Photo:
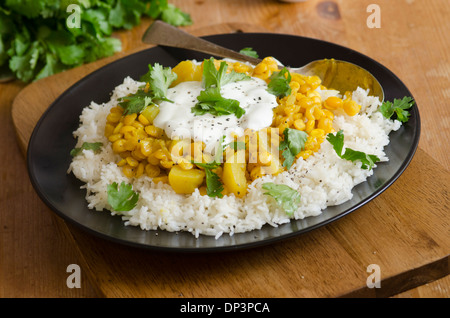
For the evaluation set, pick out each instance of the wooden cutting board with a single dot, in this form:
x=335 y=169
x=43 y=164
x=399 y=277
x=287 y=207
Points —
x=404 y=231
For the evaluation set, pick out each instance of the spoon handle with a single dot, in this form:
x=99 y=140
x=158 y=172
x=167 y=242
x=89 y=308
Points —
x=161 y=33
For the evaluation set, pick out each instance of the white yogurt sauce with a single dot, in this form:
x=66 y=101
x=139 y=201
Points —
x=178 y=121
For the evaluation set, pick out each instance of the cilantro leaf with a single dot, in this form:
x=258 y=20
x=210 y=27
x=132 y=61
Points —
x=293 y=143
x=399 y=107
x=249 y=52
x=30 y=54
x=218 y=78
x=368 y=161
x=286 y=197
x=212 y=102
x=122 y=198
x=95 y=146
x=135 y=103
x=214 y=186
x=175 y=16
x=279 y=83
x=159 y=79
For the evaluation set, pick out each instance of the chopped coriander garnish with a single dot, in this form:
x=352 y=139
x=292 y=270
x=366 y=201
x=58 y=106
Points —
x=368 y=161
x=210 y=99
x=293 y=143
x=95 y=146
x=286 y=197
x=211 y=102
x=399 y=107
x=158 y=79
x=122 y=198
x=249 y=52
x=218 y=78
x=214 y=186
x=279 y=83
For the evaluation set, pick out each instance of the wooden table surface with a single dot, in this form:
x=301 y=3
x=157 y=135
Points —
x=405 y=230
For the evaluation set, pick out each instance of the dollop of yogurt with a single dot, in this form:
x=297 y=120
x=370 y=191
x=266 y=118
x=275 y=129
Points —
x=178 y=121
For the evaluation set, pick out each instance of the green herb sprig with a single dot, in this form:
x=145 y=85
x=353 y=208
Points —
x=158 y=79
x=210 y=100
x=37 y=41
x=368 y=161
x=94 y=146
x=398 y=107
x=293 y=142
x=122 y=198
x=286 y=197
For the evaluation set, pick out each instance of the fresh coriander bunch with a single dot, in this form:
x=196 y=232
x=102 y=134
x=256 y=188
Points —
x=36 y=41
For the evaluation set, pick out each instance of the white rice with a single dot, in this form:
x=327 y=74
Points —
x=323 y=179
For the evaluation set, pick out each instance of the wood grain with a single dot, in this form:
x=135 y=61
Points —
x=404 y=231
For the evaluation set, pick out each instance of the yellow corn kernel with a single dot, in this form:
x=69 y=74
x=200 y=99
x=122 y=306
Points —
x=137 y=154
x=241 y=67
x=115 y=137
x=333 y=103
x=318 y=112
x=127 y=129
x=310 y=125
x=351 y=107
x=290 y=100
x=256 y=173
x=131 y=144
x=309 y=113
x=154 y=131
x=109 y=129
x=184 y=164
x=328 y=114
x=152 y=171
x=128 y=171
x=325 y=124
x=261 y=68
x=153 y=160
x=118 y=128
x=160 y=154
x=143 y=120
x=299 y=124
x=317 y=132
x=305 y=102
x=113 y=117
x=129 y=119
x=122 y=163
x=305 y=154
x=125 y=154
x=163 y=179
x=118 y=146
x=132 y=162
x=117 y=109
x=145 y=148
x=140 y=170
x=166 y=163
x=138 y=125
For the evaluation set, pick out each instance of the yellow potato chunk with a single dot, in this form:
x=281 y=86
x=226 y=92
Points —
x=185 y=181
x=234 y=174
x=187 y=71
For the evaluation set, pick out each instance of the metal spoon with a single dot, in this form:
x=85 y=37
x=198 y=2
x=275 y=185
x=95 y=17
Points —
x=340 y=75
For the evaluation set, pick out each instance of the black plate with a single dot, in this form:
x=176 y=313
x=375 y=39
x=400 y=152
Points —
x=48 y=152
